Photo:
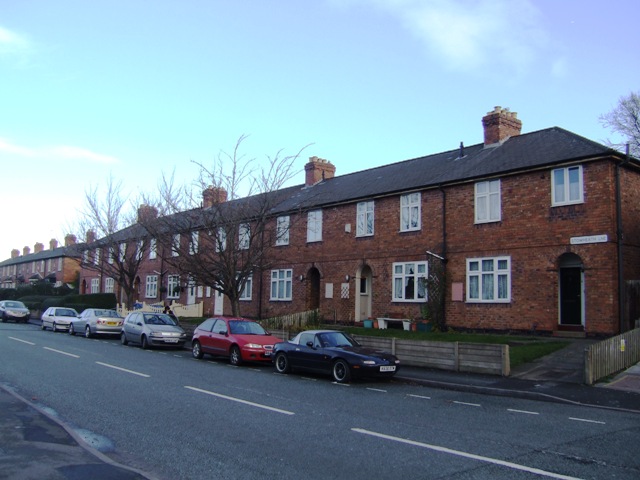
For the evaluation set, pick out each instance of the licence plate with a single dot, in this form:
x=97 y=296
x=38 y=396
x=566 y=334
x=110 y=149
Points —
x=112 y=324
x=391 y=368
x=175 y=340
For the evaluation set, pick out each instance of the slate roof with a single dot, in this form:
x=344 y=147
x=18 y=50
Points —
x=70 y=251
x=519 y=153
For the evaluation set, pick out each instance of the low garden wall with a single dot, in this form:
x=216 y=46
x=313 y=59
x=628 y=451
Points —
x=454 y=356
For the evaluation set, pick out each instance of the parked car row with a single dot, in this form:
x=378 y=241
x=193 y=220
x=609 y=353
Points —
x=240 y=340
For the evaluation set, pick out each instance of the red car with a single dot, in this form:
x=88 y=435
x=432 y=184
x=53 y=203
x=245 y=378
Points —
x=240 y=339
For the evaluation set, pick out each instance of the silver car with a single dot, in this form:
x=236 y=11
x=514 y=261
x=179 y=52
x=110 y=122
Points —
x=58 y=318
x=14 y=310
x=152 y=329
x=97 y=321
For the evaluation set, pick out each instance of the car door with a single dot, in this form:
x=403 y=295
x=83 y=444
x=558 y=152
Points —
x=302 y=355
x=45 y=317
x=205 y=335
x=219 y=339
x=133 y=327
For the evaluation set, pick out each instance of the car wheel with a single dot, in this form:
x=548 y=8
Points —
x=196 y=350
x=87 y=331
x=341 y=371
x=282 y=363
x=71 y=330
x=144 y=342
x=123 y=339
x=235 y=358
x=42 y=326
x=53 y=327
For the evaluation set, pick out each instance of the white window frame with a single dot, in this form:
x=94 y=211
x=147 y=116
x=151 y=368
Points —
x=96 y=256
x=109 y=285
x=244 y=236
x=95 y=285
x=412 y=276
x=122 y=250
x=410 y=212
x=139 y=250
x=282 y=230
x=175 y=245
x=365 y=219
x=153 y=248
x=314 y=226
x=489 y=280
x=247 y=287
x=281 y=285
x=173 y=281
x=194 y=241
x=488 y=201
x=221 y=240
x=563 y=193
x=151 y=286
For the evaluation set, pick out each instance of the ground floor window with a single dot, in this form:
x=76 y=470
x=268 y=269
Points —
x=173 y=286
x=489 y=279
x=281 y=284
x=95 y=285
x=409 y=282
x=245 y=294
x=108 y=285
x=151 y=286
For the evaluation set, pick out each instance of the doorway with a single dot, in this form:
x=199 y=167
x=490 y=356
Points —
x=363 y=298
x=571 y=291
x=313 y=289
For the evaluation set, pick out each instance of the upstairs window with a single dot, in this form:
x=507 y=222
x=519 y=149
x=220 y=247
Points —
x=488 y=204
x=314 y=226
x=364 y=219
x=221 y=240
x=153 y=249
x=193 y=243
x=122 y=250
x=175 y=245
x=410 y=212
x=244 y=236
x=96 y=256
x=566 y=186
x=282 y=230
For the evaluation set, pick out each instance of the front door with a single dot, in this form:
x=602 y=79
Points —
x=363 y=301
x=218 y=303
x=191 y=291
x=571 y=296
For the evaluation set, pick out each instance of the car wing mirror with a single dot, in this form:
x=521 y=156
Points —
x=310 y=344
x=224 y=332
x=139 y=324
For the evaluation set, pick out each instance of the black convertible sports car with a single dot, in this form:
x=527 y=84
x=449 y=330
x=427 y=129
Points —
x=333 y=352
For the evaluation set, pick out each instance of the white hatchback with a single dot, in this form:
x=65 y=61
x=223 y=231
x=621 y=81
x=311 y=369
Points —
x=58 y=318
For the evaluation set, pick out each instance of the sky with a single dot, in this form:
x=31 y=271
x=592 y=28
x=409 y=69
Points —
x=134 y=89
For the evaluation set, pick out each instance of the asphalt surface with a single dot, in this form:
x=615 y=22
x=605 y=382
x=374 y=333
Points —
x=36 y=445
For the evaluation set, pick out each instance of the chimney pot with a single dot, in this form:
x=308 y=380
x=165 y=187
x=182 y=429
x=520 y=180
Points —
x=212 y=196
x=499 y=125
x=318 y=169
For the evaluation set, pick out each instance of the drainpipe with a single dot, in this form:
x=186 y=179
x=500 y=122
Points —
x=620 y=236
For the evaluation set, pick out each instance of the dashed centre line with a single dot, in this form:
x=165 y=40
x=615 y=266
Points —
x=124 y=370
x=239 y=400
x=20 y=340
x=61 y=352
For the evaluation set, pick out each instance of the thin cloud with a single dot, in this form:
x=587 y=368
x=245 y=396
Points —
x=13 y=45
x=58 y=152
x=471 y=35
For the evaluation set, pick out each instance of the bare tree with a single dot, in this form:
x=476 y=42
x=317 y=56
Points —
x=228 y=237
x=110 y=227
x=625 y=121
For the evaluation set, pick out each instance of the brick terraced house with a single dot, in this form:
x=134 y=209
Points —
x=531 y=232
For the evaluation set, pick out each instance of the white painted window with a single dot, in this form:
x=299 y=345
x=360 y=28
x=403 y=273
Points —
x=245 y=294
x=488 y=202
x=173 y=286
x=109 y=284
x=151 y=286
x=409 y=281
x=122 y=250
x=410 y=212
x=153 y=248
x=365 y=219
x=175 y=245
x=96 y=256
x=281 y=284
x=566 y=186
x=314 y=226
x=244 y=236
x=95 y=285
x=489 y=279
x=282 y=230
x=221 y=240
x=193 y=243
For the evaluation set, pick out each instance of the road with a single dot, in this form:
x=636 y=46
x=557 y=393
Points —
x=180 y=418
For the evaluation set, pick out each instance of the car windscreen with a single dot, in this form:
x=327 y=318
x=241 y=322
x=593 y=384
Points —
x=336 y=339
x=14 y=305
x=65 y=312
x=246 y=328
x=159 y=319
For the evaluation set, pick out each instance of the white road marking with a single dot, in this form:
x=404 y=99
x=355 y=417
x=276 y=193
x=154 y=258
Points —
x=418 y=396
x=124 y=370
x=341 y=384
x=467 y=404
x=587 y=420
x=472 y=456
x=522 y=411
x=234 y=399
x=61 y=352
x=20 y=340
x=377 y=390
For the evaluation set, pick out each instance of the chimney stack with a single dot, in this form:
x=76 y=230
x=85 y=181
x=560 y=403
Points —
x=38 y=247
x=53 y=244
x=212 y=196
x=91 y=236
x=146 y=213
x=15 y=253
x=26 y=251
x=69 y=240
x=499 y=125
x=318 y=169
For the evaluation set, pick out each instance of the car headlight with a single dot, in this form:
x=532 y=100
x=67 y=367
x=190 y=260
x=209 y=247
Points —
x=253 y=345
x=155 y=334
x=369 y=362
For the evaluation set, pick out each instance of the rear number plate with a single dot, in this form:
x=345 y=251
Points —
x=391 y=368
x=175 y=340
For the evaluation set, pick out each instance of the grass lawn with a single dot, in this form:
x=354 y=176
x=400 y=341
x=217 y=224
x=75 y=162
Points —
x=522 y=348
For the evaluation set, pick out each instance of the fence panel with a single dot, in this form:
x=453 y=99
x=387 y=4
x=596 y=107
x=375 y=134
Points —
x=180 y=310
x=611 y=356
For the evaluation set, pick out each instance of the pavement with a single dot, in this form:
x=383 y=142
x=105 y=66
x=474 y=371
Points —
x=34 y=444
